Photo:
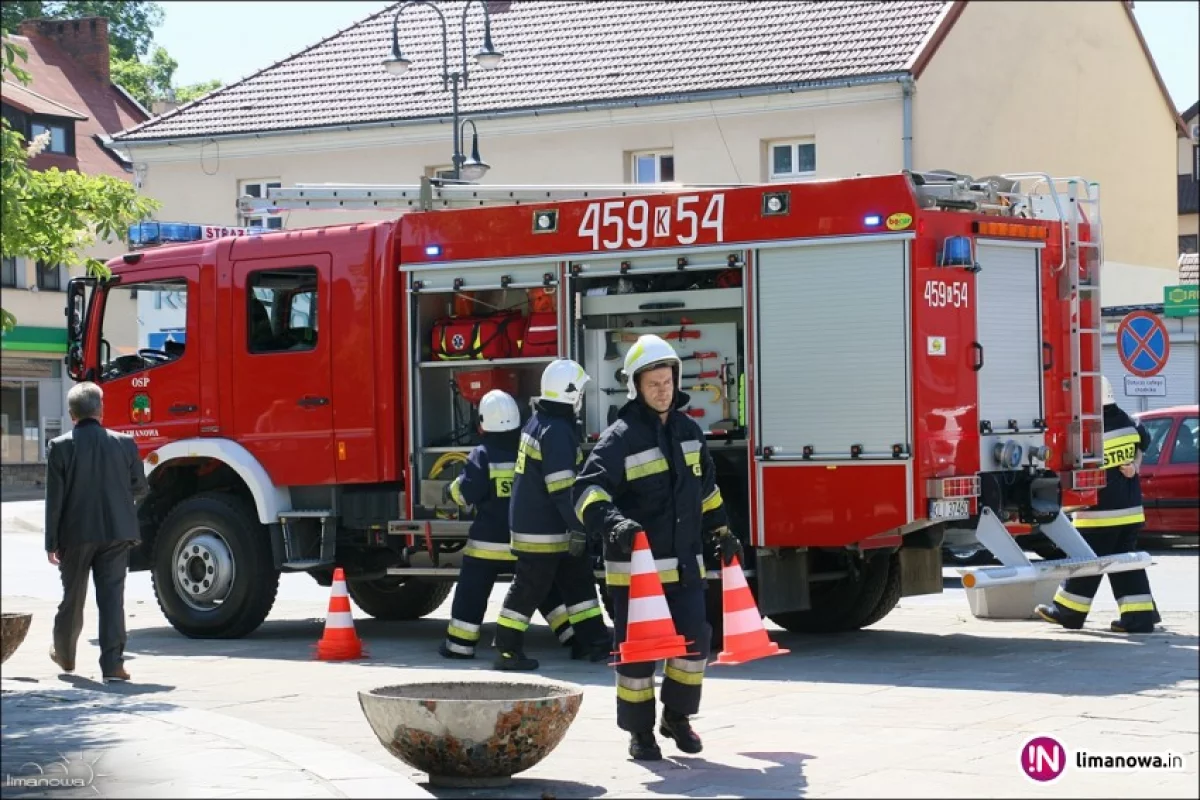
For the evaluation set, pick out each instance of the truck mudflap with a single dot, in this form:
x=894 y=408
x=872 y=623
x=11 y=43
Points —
x=1080 y=562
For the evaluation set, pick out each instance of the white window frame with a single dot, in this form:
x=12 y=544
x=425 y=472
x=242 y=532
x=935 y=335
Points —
x=658 y=156
x=268 y=221
x=795 y=145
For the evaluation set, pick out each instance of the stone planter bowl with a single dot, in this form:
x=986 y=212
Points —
x=12 y=632
x=471 y=733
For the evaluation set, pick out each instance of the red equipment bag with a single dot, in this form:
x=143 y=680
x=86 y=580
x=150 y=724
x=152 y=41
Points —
x=474 y=384
x=467 y=338
x=541 y=337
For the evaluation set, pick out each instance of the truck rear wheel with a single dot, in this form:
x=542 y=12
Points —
x=213 y=574
x=849 y=603
x=398 y=598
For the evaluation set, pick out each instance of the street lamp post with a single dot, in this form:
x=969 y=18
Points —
x=487 y=58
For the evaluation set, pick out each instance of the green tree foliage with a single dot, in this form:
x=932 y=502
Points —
x=131 y=23
x=51 y=216
x=154 y=79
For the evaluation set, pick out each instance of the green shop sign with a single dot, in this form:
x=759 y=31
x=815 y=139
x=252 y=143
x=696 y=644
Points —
x=37 y=340
x=1181 y=301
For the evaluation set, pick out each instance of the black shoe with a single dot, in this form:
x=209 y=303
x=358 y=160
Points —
x=677 y=727
x=1050 y=614
x=644 y=747
x=598 y=651
x=445 y=652
x=514 y=662
x=1119 y=627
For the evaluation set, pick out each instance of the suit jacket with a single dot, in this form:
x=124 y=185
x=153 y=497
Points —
x=94 y=478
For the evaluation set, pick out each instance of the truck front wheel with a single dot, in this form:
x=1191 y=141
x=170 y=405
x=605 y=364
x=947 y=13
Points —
x=848 y=603
x=213 y=574
x=398 y=598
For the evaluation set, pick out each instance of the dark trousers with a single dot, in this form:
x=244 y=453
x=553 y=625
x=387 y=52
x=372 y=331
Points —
x=682 y=677
x=533 y=579
x=107 y=562
x=475 y=582
x=1073 y=600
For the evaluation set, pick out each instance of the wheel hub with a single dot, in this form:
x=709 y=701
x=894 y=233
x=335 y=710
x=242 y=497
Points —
x=204 y=569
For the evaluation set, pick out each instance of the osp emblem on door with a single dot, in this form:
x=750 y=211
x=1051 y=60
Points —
x=139 y=409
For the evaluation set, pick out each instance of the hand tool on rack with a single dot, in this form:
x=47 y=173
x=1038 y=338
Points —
x=727 y=421
x=613 y=391
x=699 y=355
x=612 y=337
x=699 y=376
x=694 y=412
x=707 y=387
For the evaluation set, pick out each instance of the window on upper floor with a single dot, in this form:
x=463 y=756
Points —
x=49 y=279
x=8 y=272
x=792 y=158
x=652 y=166
x=1189 y=243
x=62 y=134
x=258 y=188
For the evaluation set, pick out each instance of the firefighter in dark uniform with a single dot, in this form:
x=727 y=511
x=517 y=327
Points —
x=1111 y=526
x=548 y=540
x=651 y=471
x=486 y=484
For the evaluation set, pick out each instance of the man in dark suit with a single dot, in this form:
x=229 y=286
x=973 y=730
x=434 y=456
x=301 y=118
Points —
x=94 y=478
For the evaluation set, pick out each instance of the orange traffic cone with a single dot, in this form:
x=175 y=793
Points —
x=650 y=633
x=745 y=637
x=340 y=642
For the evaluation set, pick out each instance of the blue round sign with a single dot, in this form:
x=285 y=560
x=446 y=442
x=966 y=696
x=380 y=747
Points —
x=1143 y=343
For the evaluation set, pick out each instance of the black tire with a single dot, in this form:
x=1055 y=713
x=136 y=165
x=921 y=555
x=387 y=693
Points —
x=889 y=599
x=843 y=605
x=399 y=599
x=229 y=564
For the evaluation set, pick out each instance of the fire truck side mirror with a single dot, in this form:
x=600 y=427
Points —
x=75 y=311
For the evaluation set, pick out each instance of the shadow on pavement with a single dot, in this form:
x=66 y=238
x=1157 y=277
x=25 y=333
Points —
x=691 y=776
x=522 y=788
x=57 y=733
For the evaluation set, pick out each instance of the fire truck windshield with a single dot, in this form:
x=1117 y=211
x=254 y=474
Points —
x=144 y=326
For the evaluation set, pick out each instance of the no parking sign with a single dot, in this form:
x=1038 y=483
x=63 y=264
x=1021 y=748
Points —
x=1143 y=343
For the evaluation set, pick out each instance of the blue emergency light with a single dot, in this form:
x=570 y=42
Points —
x=956 y=252
x=433 y=249
x=871 y=221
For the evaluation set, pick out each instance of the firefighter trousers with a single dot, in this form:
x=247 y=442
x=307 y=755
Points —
x=476 y=580
x=1073 y=600
x=682 y=677
x=534 y=578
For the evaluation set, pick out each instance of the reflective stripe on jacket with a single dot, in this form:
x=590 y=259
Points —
x=541 y=515
x=660 y=475
x=486 y=483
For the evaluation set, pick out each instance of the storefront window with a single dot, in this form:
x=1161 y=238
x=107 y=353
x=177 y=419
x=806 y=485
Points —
x=21 y=433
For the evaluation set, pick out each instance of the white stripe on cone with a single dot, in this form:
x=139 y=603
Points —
x=648 y=609
x=339 y=619
x=733 y=578
x=745 y=621
x=339 y=589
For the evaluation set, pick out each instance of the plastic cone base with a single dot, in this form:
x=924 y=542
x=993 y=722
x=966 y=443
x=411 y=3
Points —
x=652 y=650
x=339 y=651
x=734 y=657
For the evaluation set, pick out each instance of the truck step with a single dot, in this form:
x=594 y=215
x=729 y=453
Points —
x=308 y=513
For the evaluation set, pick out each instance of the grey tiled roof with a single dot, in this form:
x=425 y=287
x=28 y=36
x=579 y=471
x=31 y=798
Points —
x=560 y=54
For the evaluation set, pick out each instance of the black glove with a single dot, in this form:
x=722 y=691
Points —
x=727 y=545
x=577 y=543
x=620 y=537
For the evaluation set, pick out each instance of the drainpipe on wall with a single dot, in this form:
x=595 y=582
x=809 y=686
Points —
x=906 y=83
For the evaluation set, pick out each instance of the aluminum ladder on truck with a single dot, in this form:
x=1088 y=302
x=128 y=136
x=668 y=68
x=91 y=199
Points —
x=1079 y=284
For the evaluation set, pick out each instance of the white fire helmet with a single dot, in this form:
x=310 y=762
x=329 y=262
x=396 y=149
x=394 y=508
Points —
x=647 y=352
x=563 y=381
x=1110 y=399
x=498 y=412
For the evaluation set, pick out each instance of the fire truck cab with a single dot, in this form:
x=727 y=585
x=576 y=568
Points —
x=880 y=365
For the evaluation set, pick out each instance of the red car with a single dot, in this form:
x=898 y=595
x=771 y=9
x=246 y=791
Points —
x=1171 y=471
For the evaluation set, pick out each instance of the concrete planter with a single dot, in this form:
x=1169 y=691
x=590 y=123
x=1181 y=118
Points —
x=13 y=628
x=1015 y=601
x=472 y=733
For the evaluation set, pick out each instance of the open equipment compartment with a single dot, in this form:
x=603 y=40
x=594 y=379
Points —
x=693 y=298
x=472 y=328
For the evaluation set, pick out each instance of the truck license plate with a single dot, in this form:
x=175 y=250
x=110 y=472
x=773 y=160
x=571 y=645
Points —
x=949 y=509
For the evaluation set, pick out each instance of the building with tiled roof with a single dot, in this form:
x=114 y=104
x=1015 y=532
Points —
x=71 y=96
x=701 y=92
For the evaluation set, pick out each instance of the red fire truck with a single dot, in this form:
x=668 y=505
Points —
x=881 y=365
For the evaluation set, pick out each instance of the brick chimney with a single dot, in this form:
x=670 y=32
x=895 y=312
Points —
x=85 y=40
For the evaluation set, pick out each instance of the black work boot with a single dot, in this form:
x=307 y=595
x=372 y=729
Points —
x=1117 y=626
x=445 y=652
x=644 y=747
x=677 y=727
x=1052 y=614
x=596 y=651
x=514 y=662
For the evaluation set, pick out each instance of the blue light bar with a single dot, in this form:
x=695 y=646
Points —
x=871 y=221
x=433 y=249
